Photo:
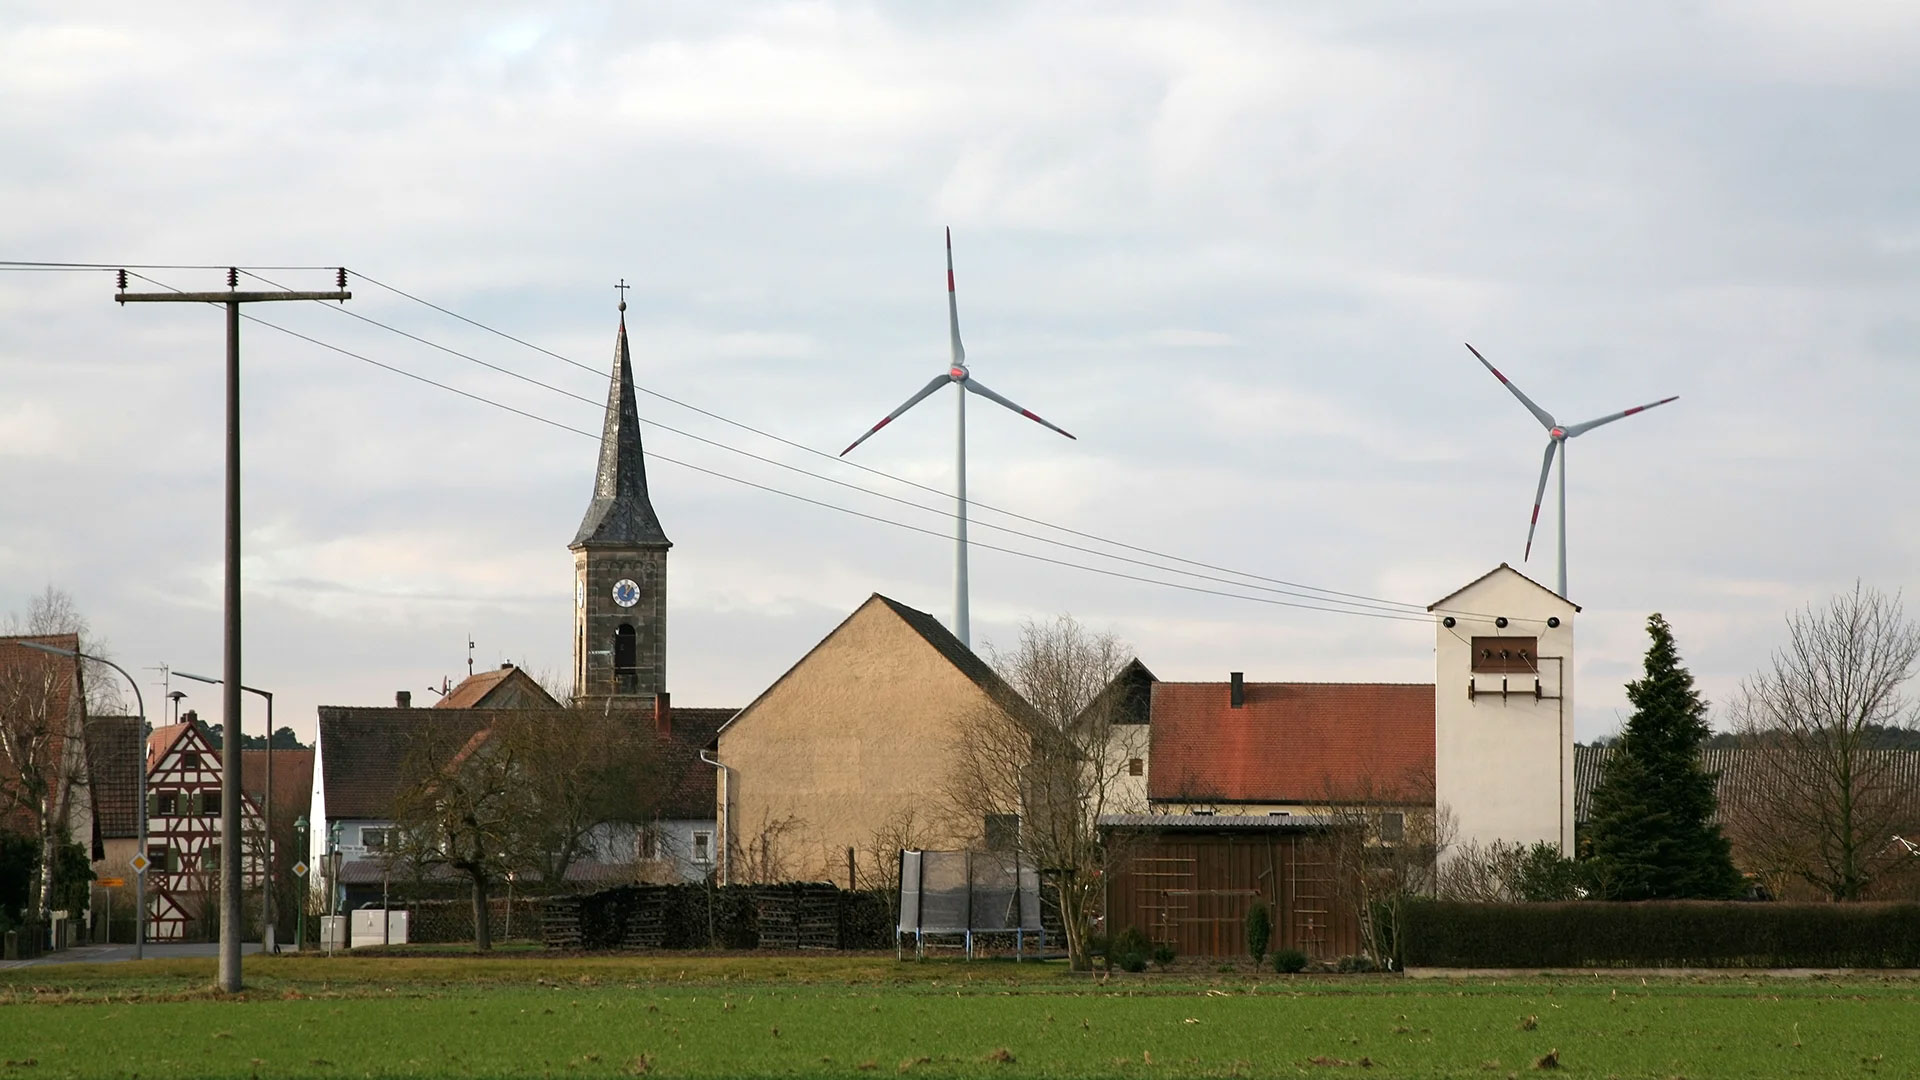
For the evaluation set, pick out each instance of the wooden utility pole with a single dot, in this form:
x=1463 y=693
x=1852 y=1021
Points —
x=232 y=851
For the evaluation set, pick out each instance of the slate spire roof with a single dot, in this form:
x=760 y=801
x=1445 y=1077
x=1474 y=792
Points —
x=621 y=514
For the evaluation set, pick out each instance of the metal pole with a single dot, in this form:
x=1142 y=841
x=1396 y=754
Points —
x=140 y=876
x=230 y=773
x=960 y=615
x=267 y=935
x=1563 y=517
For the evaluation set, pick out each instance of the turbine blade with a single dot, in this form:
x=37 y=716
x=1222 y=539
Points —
x=937 y=383
x=953 y=307
x=1591 y=424
x=1540 y=493
x=1540 y=414
x=973 y=385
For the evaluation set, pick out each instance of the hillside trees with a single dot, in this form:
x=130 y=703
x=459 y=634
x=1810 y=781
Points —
x=1824 y=797
x=1651 y=824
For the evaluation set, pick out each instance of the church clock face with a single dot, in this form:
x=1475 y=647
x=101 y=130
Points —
x=626 y=593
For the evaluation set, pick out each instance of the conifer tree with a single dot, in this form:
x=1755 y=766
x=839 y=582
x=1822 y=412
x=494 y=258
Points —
x=1651 y=824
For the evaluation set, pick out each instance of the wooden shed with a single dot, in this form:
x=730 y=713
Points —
x=1188 y=880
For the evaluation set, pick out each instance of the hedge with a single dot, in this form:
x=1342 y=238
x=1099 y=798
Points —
x=1681 y=933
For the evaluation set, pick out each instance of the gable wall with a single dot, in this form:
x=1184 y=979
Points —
x=857 y=734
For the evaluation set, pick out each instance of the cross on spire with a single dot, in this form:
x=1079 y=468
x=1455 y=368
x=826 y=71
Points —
x=623 y=287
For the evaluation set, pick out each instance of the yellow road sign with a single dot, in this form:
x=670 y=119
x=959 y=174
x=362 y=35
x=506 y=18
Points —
x=111 y=882
x=140 y=864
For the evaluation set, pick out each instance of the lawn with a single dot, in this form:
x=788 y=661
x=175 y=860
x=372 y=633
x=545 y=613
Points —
x=841 y=1016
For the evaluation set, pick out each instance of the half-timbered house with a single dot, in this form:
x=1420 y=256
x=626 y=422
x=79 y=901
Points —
x=183 y=833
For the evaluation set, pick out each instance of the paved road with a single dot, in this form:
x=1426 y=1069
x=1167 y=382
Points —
x=112 y=954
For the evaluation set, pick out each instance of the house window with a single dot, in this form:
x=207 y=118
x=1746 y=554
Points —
x=210 y=861
x=703 y=847
x=189 y=759
x=1003 y=832
x=160 y=856
x=1393 y=828
x=1136 y=767
x=1200 y=811
x=165 y=804
x=380 y=839
x=210 y=804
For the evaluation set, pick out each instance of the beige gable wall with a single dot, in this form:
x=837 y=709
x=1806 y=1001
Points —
x=859 y=732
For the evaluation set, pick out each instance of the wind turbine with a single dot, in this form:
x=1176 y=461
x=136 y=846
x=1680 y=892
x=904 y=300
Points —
x=957 y=374
x=1557 y=437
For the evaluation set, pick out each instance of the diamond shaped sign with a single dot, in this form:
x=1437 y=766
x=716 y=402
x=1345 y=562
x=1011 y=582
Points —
x=300 y=869
x=140 y=864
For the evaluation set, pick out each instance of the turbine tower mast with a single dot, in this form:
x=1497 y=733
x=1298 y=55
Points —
x=957 y=374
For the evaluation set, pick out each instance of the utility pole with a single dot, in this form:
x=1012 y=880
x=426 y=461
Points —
x=232 y=865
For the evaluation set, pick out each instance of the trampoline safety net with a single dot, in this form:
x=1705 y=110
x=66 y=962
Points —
x=968 y=893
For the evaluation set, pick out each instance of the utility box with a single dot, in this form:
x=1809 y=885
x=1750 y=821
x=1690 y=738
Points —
x=333 y=933
x=379 y=926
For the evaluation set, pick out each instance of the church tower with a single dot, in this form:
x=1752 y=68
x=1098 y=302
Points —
x=620 y=561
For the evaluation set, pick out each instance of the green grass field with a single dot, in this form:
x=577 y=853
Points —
x=843 y=1016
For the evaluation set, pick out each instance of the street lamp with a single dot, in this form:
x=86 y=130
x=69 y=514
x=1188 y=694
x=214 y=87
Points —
x=139 y=876
x=300 y=916
x=231 y=741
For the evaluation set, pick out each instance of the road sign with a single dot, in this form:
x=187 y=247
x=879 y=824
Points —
x=140 y=864
x=111 y=883
x=300 y=869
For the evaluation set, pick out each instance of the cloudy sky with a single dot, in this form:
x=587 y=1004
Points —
x=1234 y=250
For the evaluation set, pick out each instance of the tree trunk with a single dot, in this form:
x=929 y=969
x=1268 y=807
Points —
x=482 y=930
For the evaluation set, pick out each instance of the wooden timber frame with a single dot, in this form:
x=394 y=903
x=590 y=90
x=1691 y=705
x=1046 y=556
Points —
x=1189 y=881
x=183 y=835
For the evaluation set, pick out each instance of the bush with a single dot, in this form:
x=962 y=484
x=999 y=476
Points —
x=1163 y=956
x=1289 y=961
x=1671 y=933
x=1130 y=940
x=1259 y=931
x=1133 y=961
x=1356 y=964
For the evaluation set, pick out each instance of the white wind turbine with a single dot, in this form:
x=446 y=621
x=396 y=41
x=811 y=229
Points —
x=957 y=374
x=1557 y=437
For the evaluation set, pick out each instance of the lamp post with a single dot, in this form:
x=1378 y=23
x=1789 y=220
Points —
x=139 y=876
x=300 y=916
x=233 y=738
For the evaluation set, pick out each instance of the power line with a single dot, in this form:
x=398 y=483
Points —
x=832 y=480
x=30 y=264
x=890 y=476
x=482 y=399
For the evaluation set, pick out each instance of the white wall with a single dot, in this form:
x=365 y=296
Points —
x=1504 y=765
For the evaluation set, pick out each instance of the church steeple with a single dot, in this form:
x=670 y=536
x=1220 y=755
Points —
x=621 y=514
x=620 y=561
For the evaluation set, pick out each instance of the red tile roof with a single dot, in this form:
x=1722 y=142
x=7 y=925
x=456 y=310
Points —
x=504 y=687
x=1291 y=742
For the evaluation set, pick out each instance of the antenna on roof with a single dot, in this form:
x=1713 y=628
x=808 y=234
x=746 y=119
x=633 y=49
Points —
x=445 y=687
x=469 y=656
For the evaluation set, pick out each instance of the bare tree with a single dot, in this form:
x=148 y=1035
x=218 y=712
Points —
x=1052 y=757
x=460 y=810
x=1384 y=843
x=590 y=779
x=40 y=751
x=763 y=854
x=52 y=612
x=1822 y=800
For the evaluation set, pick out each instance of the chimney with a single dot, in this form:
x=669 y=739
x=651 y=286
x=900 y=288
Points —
x=663 y=713
x=506 y=665
x=1237 y=689
x=190 y=717
x=403 y=699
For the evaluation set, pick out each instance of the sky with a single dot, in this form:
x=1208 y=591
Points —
x=1234 y=248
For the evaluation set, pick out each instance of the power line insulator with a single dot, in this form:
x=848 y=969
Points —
x=122 y=275
x=233 y=277
x=340 y=279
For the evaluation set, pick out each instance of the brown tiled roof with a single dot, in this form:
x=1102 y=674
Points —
x=113 y=765
x=160 y=741
x=1291 y=742
x=496 y=689
x=694 y=796
x=292 y=781
x=363 y=752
